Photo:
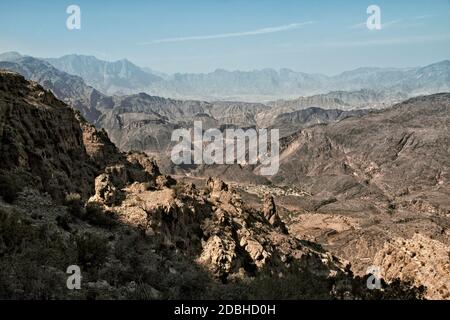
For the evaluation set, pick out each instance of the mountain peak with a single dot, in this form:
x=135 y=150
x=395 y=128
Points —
x=121 y=76
x=10 y=56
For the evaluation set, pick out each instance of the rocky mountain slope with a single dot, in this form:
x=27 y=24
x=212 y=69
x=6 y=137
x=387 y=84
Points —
x=290 y=122
x=134 y=232
x=424 y=261
x=344 y=100
x=372 y=189
x=373 y=179
x=35 y=127
x=388 y=150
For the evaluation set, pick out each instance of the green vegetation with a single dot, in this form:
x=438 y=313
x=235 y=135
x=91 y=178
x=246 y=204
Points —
x=74 y=204
x=96 y=216
x=10 y=186
x=92 y=250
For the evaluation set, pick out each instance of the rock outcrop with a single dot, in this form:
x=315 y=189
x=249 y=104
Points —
x=230 y=240
x=270 y=213
x=421 y=260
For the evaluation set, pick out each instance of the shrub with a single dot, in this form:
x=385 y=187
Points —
x=178 y=189
x=97 y=217
x=32 y=259
x=74 y=204
x=63 y=221
x=10 y=186
x=14 y=231
x=92 y=250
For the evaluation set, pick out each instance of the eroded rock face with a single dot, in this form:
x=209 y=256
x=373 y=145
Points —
x=249 y=242
x=97 y=144
x=105 y=190
x=229 y=239
x=148 y=164
x=219 y=254
x=270 y=213
x=164 y=181
x=49 y=146
x=41 y=141
x=216 y=185
x=110 y=184
x=422 y=260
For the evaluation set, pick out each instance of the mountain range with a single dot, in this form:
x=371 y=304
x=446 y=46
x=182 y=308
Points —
x=124 y=77
x=69 y=196
x=144 y=122
x=364 y=176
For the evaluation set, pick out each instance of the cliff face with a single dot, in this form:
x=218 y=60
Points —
x=41 y=141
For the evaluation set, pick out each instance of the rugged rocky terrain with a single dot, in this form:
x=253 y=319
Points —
x=70 y=197
x=423 y=260
x=374 y=179
x=363 y=185
x=41 y=140
x=356 y=186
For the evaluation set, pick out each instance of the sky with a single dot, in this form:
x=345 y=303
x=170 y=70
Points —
x=316 y=36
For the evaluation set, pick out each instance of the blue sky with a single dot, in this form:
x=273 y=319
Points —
x=203 y=35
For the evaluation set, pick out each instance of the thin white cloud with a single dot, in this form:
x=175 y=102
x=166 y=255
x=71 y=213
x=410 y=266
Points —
x=425 y=16
x=358 y=26
x=384 y=25
x=286 y=27
x=390 y=23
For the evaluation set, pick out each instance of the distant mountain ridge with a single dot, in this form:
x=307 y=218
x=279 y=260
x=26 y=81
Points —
x=144 y=122
x=120 y=76
x=69 y=88
x=124 y=77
